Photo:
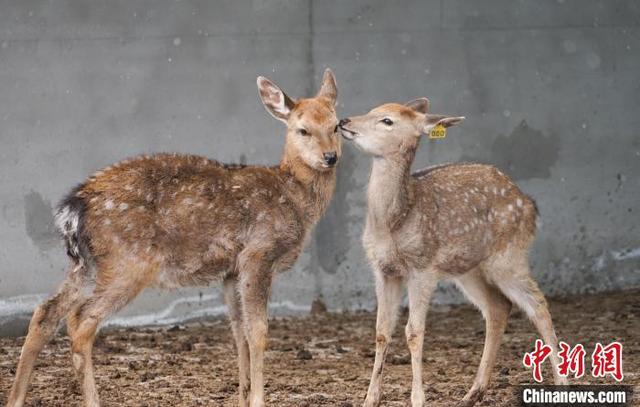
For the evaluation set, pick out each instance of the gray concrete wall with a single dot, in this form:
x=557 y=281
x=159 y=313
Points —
x=550 y=89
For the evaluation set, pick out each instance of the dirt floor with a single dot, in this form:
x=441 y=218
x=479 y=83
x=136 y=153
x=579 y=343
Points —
x=322 y=360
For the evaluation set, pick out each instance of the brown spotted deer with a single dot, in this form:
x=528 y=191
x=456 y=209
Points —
x=467 y=222
x=182 y=220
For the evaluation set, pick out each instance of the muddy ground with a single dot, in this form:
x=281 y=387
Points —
x=323 y=360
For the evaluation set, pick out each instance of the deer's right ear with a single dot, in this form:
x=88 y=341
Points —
x=420 y=105
x=274 y=99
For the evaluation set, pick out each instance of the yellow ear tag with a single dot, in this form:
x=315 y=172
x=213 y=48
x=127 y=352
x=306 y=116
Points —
x=439 y=131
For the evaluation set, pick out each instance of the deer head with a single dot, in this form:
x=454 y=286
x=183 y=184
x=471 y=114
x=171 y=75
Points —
x=393 y=128
x=312 y=138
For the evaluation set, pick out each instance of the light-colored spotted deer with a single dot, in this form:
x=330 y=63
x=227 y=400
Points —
x=468 y=222
x=178 y=220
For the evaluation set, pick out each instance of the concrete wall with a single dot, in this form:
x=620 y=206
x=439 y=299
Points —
x=550 y=89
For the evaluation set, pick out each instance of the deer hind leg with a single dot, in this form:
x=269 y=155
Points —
x=523 y=291
x=420 y=287
x=111 y=294
x=389 y=294
x=232 y=299
x=495 y=308
x=44 y=323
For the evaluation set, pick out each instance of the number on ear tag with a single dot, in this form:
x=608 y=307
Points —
x=439 y=131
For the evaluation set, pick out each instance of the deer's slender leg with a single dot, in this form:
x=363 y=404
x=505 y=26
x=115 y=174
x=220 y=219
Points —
x=420 y=286
x=522 y=290
x=82 y=326
x=255 y=287
x=113 y=291
x=232 y=299
x=389 y=293
x=495 y=308
x=43 y=325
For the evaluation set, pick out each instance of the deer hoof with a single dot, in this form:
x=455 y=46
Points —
x=471 y=398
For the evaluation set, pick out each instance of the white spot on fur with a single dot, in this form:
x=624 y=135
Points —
x=108 y=205
x=510 y=207
x=519 y=203
x=123 y=206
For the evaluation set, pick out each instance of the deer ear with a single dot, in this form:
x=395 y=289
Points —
x=329 y=88
x=432 y=120
x=420 y=105
x=274 y=100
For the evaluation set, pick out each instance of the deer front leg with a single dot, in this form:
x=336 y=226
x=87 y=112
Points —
x=420 y=286
x=255 y=286
x=389 y=294
x=232 y=299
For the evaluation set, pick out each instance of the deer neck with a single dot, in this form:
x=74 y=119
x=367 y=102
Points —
x=391 y=191
x=310 y=190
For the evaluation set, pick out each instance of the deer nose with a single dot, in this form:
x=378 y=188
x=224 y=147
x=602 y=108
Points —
x=330 y=158
x=343 y=122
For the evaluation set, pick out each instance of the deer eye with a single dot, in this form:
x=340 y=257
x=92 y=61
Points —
x=387 y=121
x=303 y=132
